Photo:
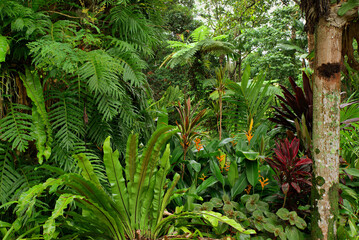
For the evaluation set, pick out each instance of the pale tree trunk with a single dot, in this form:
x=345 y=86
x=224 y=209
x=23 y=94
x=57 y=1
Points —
x=326 y=120
x=326 y=117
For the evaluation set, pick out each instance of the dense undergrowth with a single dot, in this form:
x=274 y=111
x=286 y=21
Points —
x=135 y=120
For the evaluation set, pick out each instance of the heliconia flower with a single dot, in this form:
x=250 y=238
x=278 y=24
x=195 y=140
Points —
x=199 y=146
x=263 y=182
x=249 y=133
x=203 y=177
x=248 y=189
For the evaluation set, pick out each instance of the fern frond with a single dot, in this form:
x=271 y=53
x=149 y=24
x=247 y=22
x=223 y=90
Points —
x=200 y=33
x=54 y=55
x=63 y=31
x=101 y=72
x=10 y=179
x=16 y=127
x=66 y=117
x=132 y=66
x=23 y=19
x=128 y=22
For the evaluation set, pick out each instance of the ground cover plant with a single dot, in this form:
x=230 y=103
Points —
x=175 y=119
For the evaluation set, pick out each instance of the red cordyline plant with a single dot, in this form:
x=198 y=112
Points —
x=189 y=121
x=292 y=173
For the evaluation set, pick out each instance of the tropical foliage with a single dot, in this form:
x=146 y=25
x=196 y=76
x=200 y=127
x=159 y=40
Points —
x=166 y=120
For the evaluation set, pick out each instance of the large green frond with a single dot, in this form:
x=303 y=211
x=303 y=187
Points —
x=50 y=55
x=16 y=127
x=66 y=117
x=130 y=25
x=10 y=179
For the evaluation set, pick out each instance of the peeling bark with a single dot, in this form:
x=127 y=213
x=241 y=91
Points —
x=326 y=131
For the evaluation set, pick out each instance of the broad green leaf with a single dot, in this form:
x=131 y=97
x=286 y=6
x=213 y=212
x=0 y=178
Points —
x=352 y=171
x=158 y=190
x=87 y=169
x=115 y=177
x=239 y=185
x=39 y=133
x=145 y=168
x=245 y=77
x=162 y=120
x=300 y=223
x=131 y=157
x=252 y=172
x=250 y=155
x=4 y=48
x=195 y=165
x=167 y=196
x=215 y=217
x=346 y=6
x=292 y=233
x=206 y=184
x=283 y=213
x=233 y=173
x=35 y=93
x=216 y=171
x=61 y=203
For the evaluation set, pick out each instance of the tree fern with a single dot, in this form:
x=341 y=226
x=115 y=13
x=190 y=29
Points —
x=200 y=33
x=16 y=127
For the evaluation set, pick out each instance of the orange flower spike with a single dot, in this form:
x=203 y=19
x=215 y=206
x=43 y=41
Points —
x=249 y=134
x=199 y=146
x=203 y=177
x=248 y=189
x=263 y=182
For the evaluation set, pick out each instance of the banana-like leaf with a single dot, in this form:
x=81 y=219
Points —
x=144 y=170
x=61 y=203
x=87 y=169
x=114 y=172
x=159 y=186
x=4 y=48
x=131 y=157
x=105 y=218
x=167 y=196
x=35 y=92
x=99 y=201
x=39 y=134
x=215 y=217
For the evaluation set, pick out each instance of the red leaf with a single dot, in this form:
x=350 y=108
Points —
x=295 y=186
x=285 y=188
x=304 y=161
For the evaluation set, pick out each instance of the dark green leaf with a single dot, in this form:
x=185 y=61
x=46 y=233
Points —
x=346 y=6
x=252 y=172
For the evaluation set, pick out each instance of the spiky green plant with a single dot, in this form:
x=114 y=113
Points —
x=132 y=206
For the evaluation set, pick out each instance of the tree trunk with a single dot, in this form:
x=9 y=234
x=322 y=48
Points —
x=326 y=130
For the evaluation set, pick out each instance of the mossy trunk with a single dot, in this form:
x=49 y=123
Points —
x=326 y=130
